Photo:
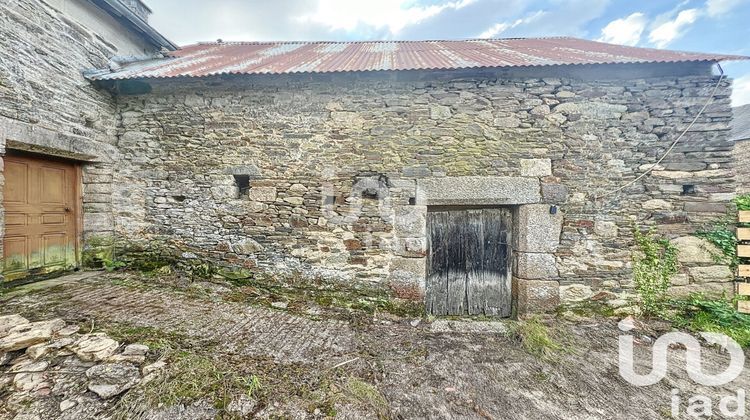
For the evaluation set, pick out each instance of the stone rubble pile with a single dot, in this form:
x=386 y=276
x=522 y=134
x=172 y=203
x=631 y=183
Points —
x=62 y=372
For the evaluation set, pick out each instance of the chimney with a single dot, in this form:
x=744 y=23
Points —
x=138 y=7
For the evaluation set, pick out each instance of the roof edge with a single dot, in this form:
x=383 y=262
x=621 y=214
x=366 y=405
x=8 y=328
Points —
x=120 y=11
x=304 y=57
x=102 y=75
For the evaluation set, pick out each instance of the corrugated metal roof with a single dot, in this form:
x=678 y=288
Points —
x=324 y=57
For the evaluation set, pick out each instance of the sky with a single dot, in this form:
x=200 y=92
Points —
x=718 y=26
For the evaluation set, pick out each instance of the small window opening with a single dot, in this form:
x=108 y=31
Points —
x=370 y=193
x=329 y=200
x=688 y=190
x=243 y=185
x=412 y=201
x=178 y=198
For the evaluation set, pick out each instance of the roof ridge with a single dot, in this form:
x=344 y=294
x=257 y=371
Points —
x=376 y=41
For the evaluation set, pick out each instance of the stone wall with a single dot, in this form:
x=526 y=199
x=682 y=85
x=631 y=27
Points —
x=334 y=164
x=47 y=106
x=742 y=165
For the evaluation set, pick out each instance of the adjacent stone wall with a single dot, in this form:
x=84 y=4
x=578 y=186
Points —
x=46 y=106
x=742 y=165
x=334 y=163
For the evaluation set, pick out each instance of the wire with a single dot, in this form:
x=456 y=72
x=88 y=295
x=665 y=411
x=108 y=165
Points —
x=674 y=143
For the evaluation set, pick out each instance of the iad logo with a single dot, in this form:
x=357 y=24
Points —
x=693 y=356
x=698 y=405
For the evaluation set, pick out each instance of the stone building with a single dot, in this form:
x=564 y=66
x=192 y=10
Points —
x=740 y=135
x=479 y=175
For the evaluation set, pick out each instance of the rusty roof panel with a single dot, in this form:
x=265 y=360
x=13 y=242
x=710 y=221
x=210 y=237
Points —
x=324 y=57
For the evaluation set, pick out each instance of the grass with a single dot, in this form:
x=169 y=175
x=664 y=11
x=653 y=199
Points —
x=698 y=313
x=351 y=302
x=195 y=371
x=191 y=377
x=367 y=395
x=199 y=371
x=218 y=379
x=536 y=339
x=154 y=338
x=194 y=377
x=334 y=297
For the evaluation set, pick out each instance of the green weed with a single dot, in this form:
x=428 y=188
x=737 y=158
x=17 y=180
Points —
x=699 y=313
x=367 y=395
x=742 y=202
x=722 y=235
x=654 y=264
x=536 y=339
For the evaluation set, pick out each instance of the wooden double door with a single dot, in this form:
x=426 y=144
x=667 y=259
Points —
x=469 y=262
x=40 y=199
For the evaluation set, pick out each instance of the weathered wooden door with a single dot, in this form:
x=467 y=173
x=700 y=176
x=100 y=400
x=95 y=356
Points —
x=40 y=216
x=469 y=264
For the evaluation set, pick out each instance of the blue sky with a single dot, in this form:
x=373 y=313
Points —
x=692 y=25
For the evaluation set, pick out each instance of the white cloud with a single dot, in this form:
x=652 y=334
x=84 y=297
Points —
x=558 y=18
x=498 y=28
x=625 y=31
x=670 y=30
x=741 y=90
x=394 y=15
x=720 y=7
x=494 y=30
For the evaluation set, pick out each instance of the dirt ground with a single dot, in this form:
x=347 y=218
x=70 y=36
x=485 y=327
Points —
x=250 y=351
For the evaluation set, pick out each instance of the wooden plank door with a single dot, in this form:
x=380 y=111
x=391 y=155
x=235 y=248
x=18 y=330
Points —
x=41 y=216
x=469 y=269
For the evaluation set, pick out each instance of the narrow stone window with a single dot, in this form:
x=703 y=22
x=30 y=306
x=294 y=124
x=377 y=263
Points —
x=412 y=201
x=329 y=200
x=243 y=185
x=688 y=189
x=370 y=193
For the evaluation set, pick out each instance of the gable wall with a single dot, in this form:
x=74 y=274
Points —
x=305 y=139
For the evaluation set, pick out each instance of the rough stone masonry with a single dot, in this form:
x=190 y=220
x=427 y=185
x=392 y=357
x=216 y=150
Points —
x=332 y=175
x=341 y=169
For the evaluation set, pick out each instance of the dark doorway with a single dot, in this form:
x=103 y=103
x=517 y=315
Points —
x=469 y=262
